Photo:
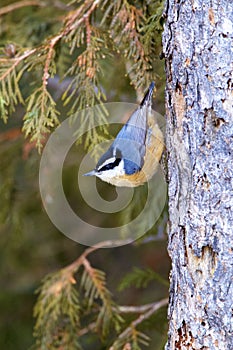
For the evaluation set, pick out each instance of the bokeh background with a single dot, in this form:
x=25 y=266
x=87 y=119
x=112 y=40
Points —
x=30 y=245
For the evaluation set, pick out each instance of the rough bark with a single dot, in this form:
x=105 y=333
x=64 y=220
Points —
x=197 y=43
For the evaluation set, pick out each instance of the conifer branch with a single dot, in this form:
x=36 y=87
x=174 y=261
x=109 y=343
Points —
x=59 y=299
x=128 y=309
x=126 y=34
x=15 y=61
x=131 y=334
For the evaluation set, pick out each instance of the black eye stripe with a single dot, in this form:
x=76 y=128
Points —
x=110 y=166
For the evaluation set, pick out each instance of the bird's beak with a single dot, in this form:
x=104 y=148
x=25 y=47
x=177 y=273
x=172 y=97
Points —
x=91 y=173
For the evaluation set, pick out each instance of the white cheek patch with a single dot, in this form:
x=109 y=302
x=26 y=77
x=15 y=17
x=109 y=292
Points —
x=111 y=173
x=109 y=160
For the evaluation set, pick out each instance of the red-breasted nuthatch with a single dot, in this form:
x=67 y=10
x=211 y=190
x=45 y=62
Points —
x=133 y=157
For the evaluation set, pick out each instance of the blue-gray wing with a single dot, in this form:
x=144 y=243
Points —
x=132 y=137
x=136 y=127
x=129 y=143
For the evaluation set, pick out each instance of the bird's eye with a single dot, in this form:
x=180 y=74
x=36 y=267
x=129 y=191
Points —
x=111 y=165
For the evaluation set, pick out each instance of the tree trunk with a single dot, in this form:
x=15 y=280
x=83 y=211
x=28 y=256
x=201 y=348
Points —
x=197 y=43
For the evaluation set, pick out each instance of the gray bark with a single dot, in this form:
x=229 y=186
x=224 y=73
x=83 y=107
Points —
x=197 y=41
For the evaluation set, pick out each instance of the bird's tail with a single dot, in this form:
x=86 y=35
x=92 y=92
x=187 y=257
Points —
x=147 y=100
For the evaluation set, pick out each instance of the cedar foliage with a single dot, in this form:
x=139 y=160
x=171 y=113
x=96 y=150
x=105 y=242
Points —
x=72 y=304
x=73 y=42
x=80 y=40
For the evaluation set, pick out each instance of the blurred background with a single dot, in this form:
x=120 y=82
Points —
x=30 y=245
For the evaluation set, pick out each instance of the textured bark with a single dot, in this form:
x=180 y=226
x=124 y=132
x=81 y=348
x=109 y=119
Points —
x=197 y=43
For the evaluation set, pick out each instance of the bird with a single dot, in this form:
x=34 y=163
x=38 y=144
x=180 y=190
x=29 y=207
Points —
x=133 y=157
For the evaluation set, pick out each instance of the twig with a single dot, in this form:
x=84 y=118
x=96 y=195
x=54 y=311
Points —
x=125 y=309
x=18 y=4
x=16 y=61
x=74 y=266
x=68 y=28
x=88 y=30
x=62 y=6
x=90 y=327
x=154 y=307
x=53 y=41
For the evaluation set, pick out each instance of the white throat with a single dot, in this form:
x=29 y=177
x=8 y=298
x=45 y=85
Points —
x=107 y=175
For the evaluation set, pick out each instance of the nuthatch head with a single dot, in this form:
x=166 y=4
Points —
x=134 y=155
